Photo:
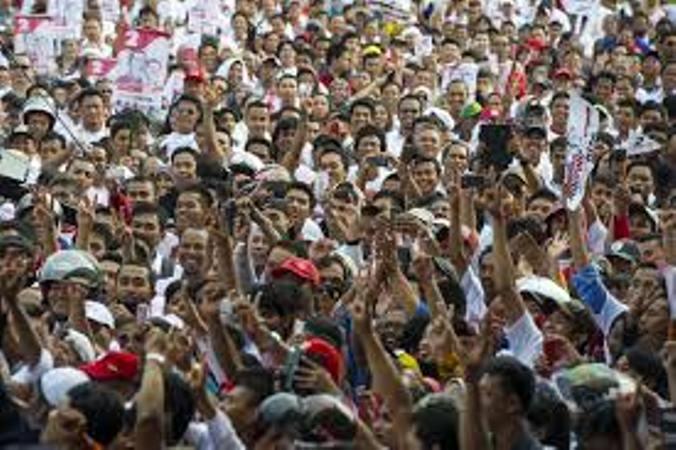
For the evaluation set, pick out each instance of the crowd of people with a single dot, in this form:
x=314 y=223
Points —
x=349 y=225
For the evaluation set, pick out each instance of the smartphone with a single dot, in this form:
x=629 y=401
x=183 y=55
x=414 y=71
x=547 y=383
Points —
x=471 y=180
x=378 y=161
x=141 y=313
x=495 y=139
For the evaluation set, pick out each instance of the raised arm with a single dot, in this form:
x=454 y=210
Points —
x=577 y=245
x=386 y=379
x=291 y=159
x=456 y=248
x=211 y=101
x=28 y=340
x=504 y=278
x=149 y=431
x=225 y=255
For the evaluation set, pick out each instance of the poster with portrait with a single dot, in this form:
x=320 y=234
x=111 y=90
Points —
x=204 y=16
x=140 y=71
x=35 y=37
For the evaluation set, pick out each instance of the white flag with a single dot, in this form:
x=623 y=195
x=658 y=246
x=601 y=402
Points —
x=583 y=124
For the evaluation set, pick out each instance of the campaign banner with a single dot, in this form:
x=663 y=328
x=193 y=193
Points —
x=110 y=10
x=35 y=37
x=583 y=124
x=67 y=18
x=99 y=68
x=580 y=7
x=140 y=72
x=204 y=17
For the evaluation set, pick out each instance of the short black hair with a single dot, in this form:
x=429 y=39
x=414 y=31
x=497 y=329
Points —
x=282 y=297
x=600 y=419
x=436 y=422
x=89 y=92
x=515 y=378
x=300 y=186
x=103 y=409
x=259 y=380
x=371 y=130
x=325 y=150
x=365 y=103
x=202 y=191
x=54 y=136
x=189 y=150
x=258 y=141
x=422 y=159
x=543 y=193
x=148 y=208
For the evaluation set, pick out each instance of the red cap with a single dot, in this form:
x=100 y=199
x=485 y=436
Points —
x=120 y=366
x=326 y=355
x=195 y=74
x=536 y=44
x=302 y=268
x=563 y=72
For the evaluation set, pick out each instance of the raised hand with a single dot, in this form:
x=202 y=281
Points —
x=211 y=97
x=86 y=213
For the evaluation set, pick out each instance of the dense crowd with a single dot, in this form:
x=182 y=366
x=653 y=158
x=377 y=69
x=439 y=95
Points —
x=350 y=224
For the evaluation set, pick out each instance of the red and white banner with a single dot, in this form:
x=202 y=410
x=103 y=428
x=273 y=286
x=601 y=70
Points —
x=139 y=75
x=67 y=18
x=99 y=68
x=34 y=36
x=583 y=124
x=204 y=17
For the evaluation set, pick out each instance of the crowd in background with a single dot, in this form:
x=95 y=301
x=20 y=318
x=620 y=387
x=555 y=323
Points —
x=349 y=225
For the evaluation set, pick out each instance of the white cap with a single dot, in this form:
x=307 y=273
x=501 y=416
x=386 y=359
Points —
x=99 y=313
x=544 y=287
x=56 y=383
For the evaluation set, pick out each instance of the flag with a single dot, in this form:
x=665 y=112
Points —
x=583 y=124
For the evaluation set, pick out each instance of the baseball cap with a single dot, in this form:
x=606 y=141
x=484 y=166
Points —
x=625 y=249
x=326 y=355
x=99 y=313
x=113 y=366
x=543 y=288
x=302 y=268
